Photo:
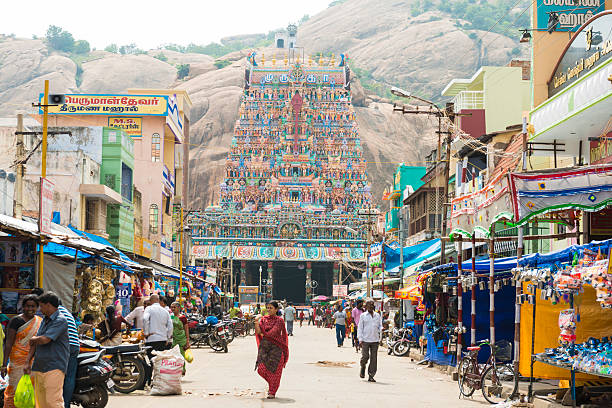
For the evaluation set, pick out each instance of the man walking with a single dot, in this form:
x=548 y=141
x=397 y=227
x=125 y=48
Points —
x=289 y=318
x=50 y=350
x=355 y=314
x=340 y=319
x=157 y=325
x=73 y=340
x=368 y=334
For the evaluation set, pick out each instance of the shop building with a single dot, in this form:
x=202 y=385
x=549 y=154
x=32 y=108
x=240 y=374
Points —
x=406 y=180
x=158 y=122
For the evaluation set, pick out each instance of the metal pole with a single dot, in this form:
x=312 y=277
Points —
x=459 y=297
x=369 y=236
x=259 y=290
x=491 y=285
x=231 y=255
x=43 y=174
x=181 y=260
x=517 y=305
x=445 y=198
x=20 y=169
x=474 y=285
x=401 y=267
x=533 y=327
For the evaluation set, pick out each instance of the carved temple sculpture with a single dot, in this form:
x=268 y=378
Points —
x=295 y=175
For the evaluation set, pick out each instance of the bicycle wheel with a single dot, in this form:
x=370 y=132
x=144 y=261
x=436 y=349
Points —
x=499 y=383
x=466 y=366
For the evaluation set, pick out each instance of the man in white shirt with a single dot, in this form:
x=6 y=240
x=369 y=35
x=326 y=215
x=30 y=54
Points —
x=136 y=316
x=157 y=327
x=368 y=334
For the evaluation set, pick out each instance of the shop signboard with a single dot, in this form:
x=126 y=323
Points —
x=137 y=244
x=601 y=150
x=591 y=47
x=46 y=205
x=572 y=14
x=376 y=254
x=123 y=291
x=247 y=294
x=211 y=275
x=340 y=290
x=131 y=126
x=147 y=248
x=104 y=104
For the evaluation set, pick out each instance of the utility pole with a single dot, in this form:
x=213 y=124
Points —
x=259 y=290
x=43 y=175
x=181 y=260
x=401 y=265
x=231 y=265
x=20 y=168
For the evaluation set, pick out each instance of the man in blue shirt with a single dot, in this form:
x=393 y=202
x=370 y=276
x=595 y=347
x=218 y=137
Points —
x=73 y=340
x=51 y=351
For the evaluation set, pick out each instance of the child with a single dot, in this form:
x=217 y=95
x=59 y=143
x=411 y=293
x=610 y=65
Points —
x=301 y=317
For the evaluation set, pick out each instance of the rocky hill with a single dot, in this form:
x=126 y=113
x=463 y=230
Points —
x=386 y=44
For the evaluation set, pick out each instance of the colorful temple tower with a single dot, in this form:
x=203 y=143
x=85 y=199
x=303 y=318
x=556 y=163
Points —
x=295 y=181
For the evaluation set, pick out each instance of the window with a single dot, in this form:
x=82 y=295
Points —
x=126 y=182
x=155 y=147
x=153 y=218
x=90 y=215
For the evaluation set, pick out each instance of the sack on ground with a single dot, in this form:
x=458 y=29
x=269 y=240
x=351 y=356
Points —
x=189 y=356
x=24 y=393
x=167 y=372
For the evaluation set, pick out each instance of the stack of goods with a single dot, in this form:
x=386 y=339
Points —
x=562 y=281
x=594 y=356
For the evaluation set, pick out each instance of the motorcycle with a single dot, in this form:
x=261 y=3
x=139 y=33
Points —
x=407 y=338
x=201 y=332
x=133 y=368
x=93 y=380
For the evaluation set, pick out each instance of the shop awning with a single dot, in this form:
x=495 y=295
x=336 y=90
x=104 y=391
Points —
x=412 y=255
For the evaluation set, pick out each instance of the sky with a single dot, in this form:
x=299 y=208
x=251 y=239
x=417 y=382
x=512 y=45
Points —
x=150 y=23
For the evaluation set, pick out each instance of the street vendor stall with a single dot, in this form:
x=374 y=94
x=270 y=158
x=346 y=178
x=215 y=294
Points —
x=571 y=298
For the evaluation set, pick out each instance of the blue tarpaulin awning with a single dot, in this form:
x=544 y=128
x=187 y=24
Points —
x=412 y=254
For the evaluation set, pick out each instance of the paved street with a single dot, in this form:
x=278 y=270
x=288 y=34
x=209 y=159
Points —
x=228 y=380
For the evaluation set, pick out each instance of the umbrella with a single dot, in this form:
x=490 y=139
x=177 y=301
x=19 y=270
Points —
x=320 y=298
x=412 y=293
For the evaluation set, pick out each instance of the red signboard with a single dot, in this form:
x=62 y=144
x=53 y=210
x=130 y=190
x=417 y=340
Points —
x=46 y=206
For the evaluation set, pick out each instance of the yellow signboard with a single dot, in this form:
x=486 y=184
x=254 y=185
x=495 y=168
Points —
x=123 y=105
x=131 y=126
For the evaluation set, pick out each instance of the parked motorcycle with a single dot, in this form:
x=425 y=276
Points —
x=93 y=380
x=401 y=346
x=206 y=332
x=133 y=368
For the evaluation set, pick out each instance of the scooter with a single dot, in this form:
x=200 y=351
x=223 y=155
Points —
x=93 y=381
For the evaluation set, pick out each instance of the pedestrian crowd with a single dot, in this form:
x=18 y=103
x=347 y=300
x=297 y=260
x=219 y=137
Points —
x=43 y=341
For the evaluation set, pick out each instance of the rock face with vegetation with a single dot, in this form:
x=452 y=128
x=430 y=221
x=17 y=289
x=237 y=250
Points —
x=419 y=45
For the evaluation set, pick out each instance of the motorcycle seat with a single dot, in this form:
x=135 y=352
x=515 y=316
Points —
x=123 y=348
x=85 y=356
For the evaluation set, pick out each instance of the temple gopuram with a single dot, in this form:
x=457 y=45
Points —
x=295 y=180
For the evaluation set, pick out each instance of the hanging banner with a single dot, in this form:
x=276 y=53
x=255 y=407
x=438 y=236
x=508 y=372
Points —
x=264 y=253
x=479 y=210
x=586 y=188
x=376 y=254
x=46 y=205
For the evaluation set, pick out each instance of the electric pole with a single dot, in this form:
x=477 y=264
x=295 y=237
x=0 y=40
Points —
x=20 y=168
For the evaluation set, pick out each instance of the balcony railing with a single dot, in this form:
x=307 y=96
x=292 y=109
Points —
x=469 y=100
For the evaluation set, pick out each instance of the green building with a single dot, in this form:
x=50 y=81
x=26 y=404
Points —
x=117 y=172
x=403 y=177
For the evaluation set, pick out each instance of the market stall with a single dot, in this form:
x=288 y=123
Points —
x=570 y=295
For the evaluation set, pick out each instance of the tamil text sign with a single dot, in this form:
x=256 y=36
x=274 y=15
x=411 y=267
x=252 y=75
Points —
x=572 y=14
x=340 y=290
x=129 y=105
x=131 y=126
x=46 y=205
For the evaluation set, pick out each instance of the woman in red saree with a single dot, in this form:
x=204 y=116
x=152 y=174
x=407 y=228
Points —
x=273 y=347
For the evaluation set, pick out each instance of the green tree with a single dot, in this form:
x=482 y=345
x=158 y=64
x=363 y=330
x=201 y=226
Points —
x=304 y=19
x=220 y=64
x=182 y=70
x=112 y=48
x=161 y=56
x=59 y=39
x=81 y=47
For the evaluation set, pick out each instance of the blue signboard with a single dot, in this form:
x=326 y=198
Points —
x=571 y=15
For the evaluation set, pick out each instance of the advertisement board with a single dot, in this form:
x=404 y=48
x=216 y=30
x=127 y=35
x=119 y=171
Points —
x=94 y=104
x=340 y=290
x=572 y=13
x=131 y=126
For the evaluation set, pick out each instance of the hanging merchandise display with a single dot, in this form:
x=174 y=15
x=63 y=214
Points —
x=567 y=327
x=94 y=288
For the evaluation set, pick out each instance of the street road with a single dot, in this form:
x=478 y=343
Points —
x=318 y=374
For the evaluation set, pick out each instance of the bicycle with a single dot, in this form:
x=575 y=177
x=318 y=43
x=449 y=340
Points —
x=490 y=377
